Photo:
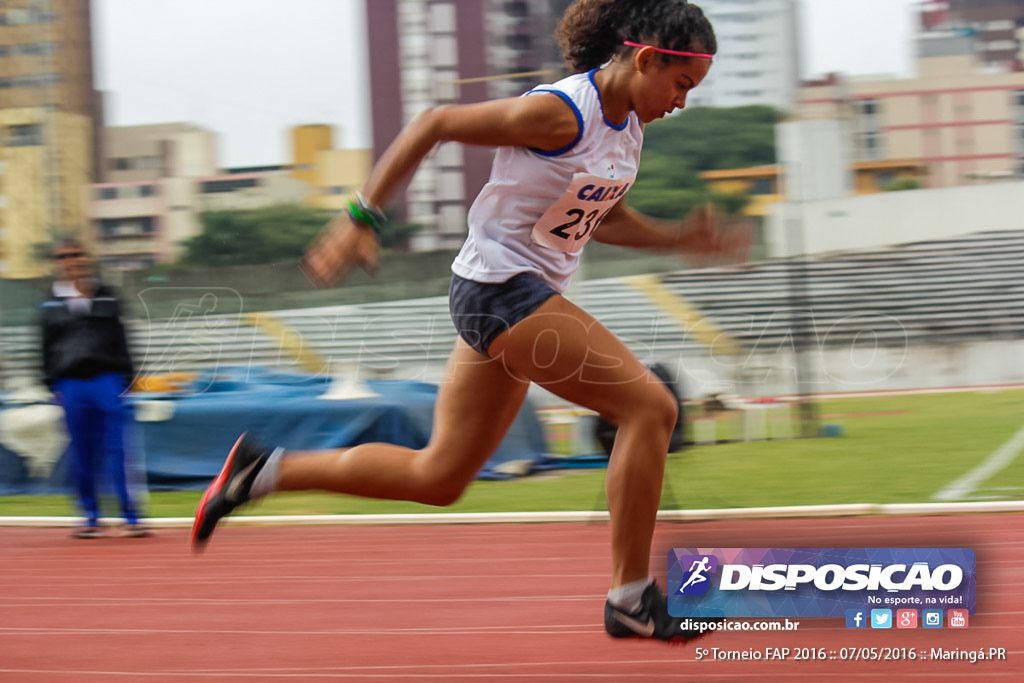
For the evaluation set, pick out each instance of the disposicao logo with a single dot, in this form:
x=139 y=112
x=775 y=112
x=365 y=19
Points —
x=818 y=582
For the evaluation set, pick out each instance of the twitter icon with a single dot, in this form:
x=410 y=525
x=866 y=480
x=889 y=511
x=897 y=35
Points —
x=881 y=618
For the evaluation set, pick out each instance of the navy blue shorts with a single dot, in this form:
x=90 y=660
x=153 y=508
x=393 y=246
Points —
x=483 y=310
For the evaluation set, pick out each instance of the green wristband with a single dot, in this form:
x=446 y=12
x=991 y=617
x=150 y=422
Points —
x=362 y=212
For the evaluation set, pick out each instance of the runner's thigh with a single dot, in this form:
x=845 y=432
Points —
x=567 y=351
x=477 y=401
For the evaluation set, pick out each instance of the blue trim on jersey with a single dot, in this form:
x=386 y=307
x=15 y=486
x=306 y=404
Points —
x=579 y=122
x=613 y=126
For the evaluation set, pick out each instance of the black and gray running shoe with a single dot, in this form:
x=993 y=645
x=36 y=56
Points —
x=652 y=620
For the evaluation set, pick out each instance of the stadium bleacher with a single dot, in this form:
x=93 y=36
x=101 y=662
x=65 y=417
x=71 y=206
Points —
x=936 y=292
x=956 y=290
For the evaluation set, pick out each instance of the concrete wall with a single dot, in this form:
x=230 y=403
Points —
x=854 y=369
x=890 y=218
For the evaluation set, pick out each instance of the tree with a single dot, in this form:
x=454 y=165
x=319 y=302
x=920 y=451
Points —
x=678 y=148
x=394 y=234
x=901 y=184
x=270 y=234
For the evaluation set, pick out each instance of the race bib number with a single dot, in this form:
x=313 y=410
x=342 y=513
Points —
x=571 y=221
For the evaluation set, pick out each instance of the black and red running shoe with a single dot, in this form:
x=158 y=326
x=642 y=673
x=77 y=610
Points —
x=230 y=489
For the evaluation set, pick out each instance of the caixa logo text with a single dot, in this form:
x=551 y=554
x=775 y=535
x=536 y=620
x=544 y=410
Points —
x=834 y=577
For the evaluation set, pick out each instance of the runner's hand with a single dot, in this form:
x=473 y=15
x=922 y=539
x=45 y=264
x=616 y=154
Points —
x=706 y=240
x=340 y=247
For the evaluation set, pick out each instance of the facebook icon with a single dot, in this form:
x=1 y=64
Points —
x=856 y=618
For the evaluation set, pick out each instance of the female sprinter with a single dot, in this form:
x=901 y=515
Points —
x=567 y=154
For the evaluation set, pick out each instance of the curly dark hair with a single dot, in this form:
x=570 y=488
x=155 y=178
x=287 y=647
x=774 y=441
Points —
x=592 y=31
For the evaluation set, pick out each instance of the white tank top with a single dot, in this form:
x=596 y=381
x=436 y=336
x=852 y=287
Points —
x=540 y=208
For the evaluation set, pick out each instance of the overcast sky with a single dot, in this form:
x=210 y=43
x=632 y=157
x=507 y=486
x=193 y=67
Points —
x=251 y=69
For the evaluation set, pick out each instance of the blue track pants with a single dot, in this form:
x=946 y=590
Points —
x=95 y=415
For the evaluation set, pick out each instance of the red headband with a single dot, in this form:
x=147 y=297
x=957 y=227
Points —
x=676 y=53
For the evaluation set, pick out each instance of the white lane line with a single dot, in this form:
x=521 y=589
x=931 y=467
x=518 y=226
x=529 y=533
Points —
x=440 y=518
x=1002 y=457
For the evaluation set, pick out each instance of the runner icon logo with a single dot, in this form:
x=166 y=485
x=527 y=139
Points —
x=696 y=580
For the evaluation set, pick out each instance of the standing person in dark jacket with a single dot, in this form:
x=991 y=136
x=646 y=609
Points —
x=87 y=365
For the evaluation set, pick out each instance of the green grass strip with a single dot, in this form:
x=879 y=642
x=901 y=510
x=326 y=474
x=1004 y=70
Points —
x=894 y=449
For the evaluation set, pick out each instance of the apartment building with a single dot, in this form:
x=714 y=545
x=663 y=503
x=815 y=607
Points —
x=758 y=60
x=430 y=52
x=958 y=118
x=996 y=26
x=50 y=117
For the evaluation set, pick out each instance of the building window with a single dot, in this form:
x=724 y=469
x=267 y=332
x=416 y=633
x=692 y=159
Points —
x=519 y=42
x=999 y=25
x=35 y=80
x=132 y=191
x=127 y=227
x=25 y=135
x=129 y=262
x=215 y=186
x=869 y=147
x=106 y=193
x=763 y=186
x=930 y=110
x=1001 y=45
x=44 y=48
x=442 y=18
x=29 y=16
x=519 y=9
x=444 y=52
x=1019 y=96
x=869 y=129
x=869 y=111
x=450 y=185
x=445 y=87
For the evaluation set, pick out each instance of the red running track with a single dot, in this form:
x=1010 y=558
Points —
x=444 y=603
